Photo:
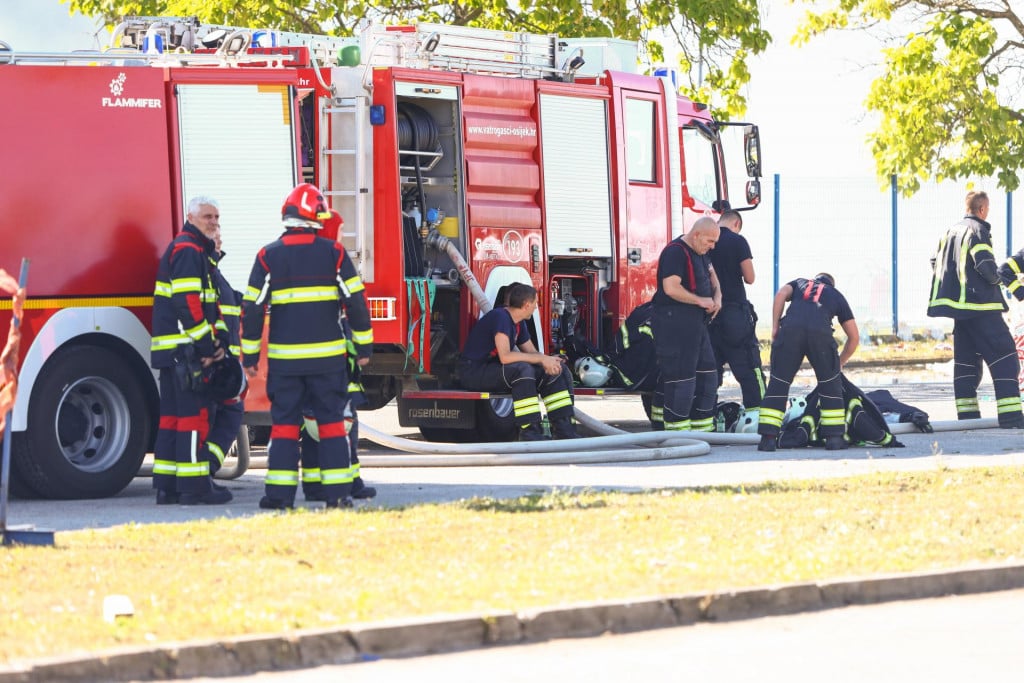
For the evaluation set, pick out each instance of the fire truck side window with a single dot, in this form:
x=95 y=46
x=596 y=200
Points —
x=700 y=169
x=640 y=141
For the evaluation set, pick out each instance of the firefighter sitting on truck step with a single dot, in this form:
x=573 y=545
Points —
x=185 y=313
x=306 y=280
x=500 y=356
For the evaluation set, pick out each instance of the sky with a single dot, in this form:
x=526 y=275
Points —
x=805 y=100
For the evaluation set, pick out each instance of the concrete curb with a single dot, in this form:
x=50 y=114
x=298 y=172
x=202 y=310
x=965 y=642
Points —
x=409 y=637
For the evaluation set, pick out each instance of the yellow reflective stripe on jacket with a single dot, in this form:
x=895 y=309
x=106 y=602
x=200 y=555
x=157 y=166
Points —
x=297 y=295
x=199 y=331
x=354 y=284
x=231 y=310
x=186 y=284
x=362 y=337
x=169 y=341
x=162 y=289
x=315 y=350
x=981 y=247
x=252 y=294
x=250 y=346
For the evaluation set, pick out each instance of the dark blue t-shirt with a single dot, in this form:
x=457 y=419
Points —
x=732 y=250
x=677 y=258
x=480 y=342
x=814 y=304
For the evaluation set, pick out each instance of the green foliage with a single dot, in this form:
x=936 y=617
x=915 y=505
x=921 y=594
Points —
x=709 y=40
x=949 y=99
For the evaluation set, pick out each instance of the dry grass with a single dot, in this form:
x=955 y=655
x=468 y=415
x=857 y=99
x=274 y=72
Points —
x=318 y=569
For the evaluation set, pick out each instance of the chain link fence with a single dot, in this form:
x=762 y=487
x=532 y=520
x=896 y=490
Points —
x=877 y=244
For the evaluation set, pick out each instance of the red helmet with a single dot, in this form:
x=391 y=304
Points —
x=332 y=226
x=306 y=202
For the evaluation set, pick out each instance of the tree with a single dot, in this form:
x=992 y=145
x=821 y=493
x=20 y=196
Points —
x=949 y=98
x=713 y=38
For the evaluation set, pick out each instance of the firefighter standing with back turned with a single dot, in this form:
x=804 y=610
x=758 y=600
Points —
x=185 y=312
x=965 y=287
x=306 y=280
x=806 y=332
x=733 y=336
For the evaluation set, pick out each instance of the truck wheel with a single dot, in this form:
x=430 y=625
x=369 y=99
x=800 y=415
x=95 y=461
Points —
x=495 y=421
x=89 y=424
x=448 y=434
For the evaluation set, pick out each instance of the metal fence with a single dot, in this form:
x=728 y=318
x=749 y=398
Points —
x=876 y=243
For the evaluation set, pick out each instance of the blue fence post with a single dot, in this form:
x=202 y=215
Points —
x=895 y=258
x=775 y=266
x=1009 y=224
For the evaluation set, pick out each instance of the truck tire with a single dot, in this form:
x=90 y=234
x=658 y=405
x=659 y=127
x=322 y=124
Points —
x=89 y=425
x=448 y=434
x=495 y=421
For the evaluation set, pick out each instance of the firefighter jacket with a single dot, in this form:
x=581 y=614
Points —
x=185 y=298
x=306 y=280
x=228 y=328
x=965 y=280
x=1010 y=272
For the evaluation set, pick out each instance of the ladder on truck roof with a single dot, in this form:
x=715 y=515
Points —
x=462 y=48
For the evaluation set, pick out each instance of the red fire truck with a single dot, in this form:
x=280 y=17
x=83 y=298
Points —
x=461 y=160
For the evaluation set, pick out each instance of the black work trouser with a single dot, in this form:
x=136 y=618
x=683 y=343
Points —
x=791 y=346
x=734 y=341
x=525 y=381
x=985 y=337
x=688 y=383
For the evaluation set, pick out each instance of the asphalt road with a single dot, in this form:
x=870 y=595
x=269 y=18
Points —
x=724 y=465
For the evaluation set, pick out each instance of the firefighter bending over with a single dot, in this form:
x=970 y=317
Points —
x=185 y=316
x=806 y=332
x=306 y=280
x=965 y=287
x=688 y=297
x=500 y=356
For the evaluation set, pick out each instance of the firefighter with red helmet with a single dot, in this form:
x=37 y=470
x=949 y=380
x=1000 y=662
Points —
x=306 y=280
x=185 y=313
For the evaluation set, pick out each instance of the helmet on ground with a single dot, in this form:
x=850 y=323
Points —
x=747 y=423
x=591 y=372
x=225 y=380
x=797 y=408
x=306 y=202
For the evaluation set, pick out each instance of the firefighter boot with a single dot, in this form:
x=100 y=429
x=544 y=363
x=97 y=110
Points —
x=360 y=491
x=767 y=444
x=533 y=432
x=340 y=503
x=563 y=428
x=835 y=443
x=211 y=497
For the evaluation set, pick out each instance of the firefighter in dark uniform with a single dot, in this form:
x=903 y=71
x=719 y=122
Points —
x=733 y=337
x=965 y=287
x=500 y=356
x=306 y=280
x=225 y=415
x=185 y=312
x=312 y=484
x=688 y=296
x=806 y=332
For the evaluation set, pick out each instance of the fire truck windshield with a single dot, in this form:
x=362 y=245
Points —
x=701 y=169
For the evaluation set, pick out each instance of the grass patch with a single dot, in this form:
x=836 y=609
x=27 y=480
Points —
x=311 y=569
